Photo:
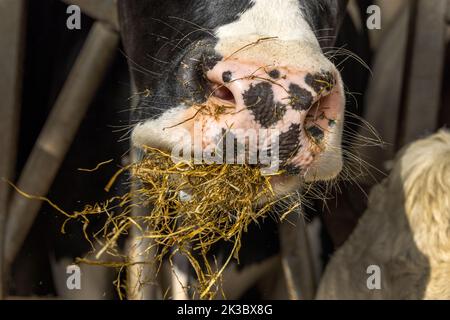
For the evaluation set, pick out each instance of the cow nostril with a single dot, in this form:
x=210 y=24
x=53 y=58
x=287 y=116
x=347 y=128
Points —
x=222 y=92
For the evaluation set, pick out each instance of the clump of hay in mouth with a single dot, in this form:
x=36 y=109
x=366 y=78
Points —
x=187 y=208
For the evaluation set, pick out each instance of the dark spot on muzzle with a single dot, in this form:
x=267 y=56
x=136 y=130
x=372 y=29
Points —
x=274 y=74
x=316 y=133
x=300 y=99
x=319 y=82
x=259 y=99
x=289 y=143
x=227 y=76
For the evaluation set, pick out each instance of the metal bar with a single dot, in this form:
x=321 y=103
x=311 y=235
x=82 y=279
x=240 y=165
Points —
x=296 y=259
x=59 y=130
x=448 y=11
x=424 y=80
x=12 y=29
x=383 y=99
x=141 y=274
x=180 y=277
x=102 y=10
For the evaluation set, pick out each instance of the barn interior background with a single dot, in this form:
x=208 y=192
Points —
x=64 y=101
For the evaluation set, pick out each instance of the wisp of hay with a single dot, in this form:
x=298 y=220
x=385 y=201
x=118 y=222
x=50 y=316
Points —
x=189 y=207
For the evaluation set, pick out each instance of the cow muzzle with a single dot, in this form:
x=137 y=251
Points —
x=278 y=117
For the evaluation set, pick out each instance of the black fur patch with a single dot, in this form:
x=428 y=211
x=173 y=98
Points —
x=210 y=61
x=320 y=81
x=289 y=143
x=227 y=76
x=260 y=100
x=301 y=99
x=324 y=16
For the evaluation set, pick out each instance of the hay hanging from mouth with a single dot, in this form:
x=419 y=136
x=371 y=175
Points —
x=188 y=208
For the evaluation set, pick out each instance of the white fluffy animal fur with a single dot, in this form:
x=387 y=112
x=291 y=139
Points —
x=405 y=231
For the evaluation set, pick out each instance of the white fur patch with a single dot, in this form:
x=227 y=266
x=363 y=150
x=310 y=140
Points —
x=271 y=18
x=273 y=33
x=158 y=133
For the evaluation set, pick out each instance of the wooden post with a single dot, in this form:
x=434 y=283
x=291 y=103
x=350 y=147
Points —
x=59 y=130
x=12 y=29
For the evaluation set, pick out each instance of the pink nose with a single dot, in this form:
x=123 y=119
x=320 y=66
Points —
x=268 y=92
x=304 y=108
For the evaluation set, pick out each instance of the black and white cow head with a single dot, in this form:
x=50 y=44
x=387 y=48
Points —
x=261 y=62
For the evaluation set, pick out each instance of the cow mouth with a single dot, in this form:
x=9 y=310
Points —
x=318 y=135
